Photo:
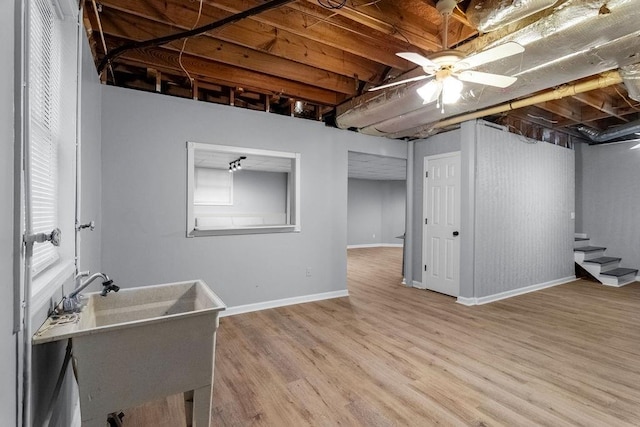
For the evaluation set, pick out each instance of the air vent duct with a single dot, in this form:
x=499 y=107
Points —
x=599 y=137
x=576 y=41
x=631 y=78
x=491 y=15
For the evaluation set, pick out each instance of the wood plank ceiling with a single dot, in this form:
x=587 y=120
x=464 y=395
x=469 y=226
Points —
x=318 y=52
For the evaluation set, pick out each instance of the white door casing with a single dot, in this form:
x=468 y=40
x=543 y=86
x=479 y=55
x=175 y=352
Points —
x=441 y=224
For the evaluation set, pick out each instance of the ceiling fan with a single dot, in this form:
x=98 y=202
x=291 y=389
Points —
x=449 y=68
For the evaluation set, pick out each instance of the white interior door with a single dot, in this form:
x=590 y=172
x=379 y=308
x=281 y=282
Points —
x=441 y=234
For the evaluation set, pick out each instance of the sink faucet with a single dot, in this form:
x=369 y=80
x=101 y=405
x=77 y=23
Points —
x=71 y=303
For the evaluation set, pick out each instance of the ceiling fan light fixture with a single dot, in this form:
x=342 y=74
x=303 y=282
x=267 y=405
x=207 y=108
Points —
x=430 y=91
x=451 y=90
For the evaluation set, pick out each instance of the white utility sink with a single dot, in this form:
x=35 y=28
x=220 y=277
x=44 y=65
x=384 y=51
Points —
x=142 y=344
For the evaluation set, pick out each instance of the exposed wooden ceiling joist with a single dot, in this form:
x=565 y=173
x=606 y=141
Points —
x=304 y=51
x=136 y=28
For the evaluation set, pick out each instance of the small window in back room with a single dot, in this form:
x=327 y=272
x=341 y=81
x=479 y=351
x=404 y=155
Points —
x=238 y=190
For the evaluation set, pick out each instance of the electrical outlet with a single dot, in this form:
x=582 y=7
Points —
x=308 y=272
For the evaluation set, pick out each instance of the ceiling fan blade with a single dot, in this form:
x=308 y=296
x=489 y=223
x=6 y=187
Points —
x=399 y=82
x=489 y=55
x=418 y=59
x=488 y=79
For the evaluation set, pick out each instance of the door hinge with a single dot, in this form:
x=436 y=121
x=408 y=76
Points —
x=426 y=174
x=425 y=267
x=426 y=221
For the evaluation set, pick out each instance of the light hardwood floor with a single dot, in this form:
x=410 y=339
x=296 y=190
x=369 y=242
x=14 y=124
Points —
x=390 y=355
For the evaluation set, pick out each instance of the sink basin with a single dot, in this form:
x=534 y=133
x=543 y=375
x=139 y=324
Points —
x=141 y=344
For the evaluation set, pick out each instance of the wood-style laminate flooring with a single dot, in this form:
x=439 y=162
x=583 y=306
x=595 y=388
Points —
x=391 y=355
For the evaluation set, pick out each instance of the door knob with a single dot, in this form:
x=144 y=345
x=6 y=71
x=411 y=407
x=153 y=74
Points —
x=455 y=233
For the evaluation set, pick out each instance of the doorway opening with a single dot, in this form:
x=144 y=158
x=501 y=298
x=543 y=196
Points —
x=376 y=204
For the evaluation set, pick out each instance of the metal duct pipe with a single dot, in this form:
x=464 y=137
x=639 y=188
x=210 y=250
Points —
x=610 y=134
x=606 y=79
x=576 y=41
x=490 y=15
x=631 y=77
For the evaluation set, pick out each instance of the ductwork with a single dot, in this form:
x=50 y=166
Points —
x=610 y=134
x=575 y=40
x=490 y=15
x=631 y=78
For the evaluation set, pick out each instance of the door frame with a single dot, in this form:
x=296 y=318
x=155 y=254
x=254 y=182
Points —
x=425 y=206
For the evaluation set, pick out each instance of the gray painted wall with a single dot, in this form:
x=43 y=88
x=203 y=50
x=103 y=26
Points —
x=375 y=208
x=394 y=200
x=254 y=192
x=144 y=196
x=607 y=178
x=91 y=169
x=8 y=367
x=524 y=200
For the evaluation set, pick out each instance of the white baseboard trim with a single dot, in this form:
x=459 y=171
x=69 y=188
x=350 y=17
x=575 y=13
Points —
x=514 y=292
x=375 y=245
x=248 y=308
x=418 y=285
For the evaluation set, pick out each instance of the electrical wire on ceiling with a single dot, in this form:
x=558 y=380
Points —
x=159 y=41
x=97 y=10
x=542 y=118
x=184 y=45
x=635 y=107
x=332 y=4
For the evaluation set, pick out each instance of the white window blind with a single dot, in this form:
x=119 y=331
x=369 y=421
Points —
x=44 y=126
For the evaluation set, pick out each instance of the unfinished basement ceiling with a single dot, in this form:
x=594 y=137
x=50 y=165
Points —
x=316 y=59
x=378 y=168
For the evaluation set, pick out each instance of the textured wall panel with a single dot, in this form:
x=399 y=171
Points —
x=524 y=199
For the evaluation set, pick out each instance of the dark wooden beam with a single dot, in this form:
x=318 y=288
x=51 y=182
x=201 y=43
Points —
x=167 y=61
x=130 y=27
x=254 y=35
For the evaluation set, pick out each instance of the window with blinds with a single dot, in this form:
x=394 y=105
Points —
x=44 y=126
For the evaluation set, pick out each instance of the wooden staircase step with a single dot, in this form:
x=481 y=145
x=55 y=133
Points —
x=619 y=272
x=603 y=260
x=589 y=249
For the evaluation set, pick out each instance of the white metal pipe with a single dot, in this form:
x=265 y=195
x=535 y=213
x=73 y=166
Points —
x=80 y=35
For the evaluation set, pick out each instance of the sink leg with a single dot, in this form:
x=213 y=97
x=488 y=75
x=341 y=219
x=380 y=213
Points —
x=202 y=406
